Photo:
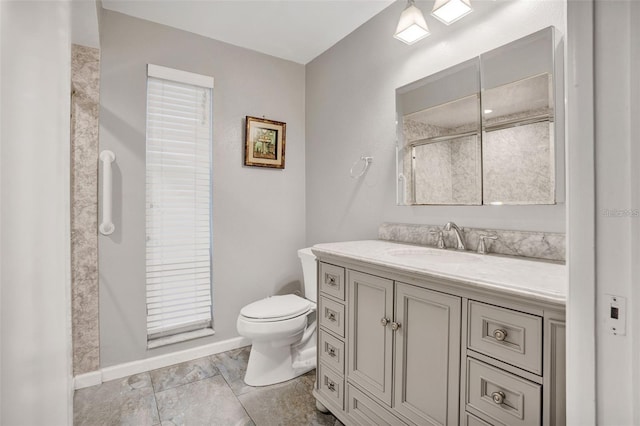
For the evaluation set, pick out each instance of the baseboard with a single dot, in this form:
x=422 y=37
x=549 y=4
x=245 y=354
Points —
x=135 y=367
x=87 y=379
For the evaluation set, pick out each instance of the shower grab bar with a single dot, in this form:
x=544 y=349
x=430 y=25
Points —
x=107 y=227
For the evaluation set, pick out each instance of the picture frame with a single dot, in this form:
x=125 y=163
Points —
x=265 y=142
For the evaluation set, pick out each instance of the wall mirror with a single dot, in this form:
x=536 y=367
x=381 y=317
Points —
x=485 y=131
x=439 y=129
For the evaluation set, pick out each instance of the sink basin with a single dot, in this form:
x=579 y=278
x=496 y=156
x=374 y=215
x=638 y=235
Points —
x=433 y=255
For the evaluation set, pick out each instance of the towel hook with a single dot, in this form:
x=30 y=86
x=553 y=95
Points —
x=367 y=161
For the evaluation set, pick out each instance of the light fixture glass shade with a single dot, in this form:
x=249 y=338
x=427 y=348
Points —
x=449 y=11
x=411 y=26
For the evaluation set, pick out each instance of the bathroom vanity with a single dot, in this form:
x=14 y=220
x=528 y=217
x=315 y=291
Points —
x=417 y=335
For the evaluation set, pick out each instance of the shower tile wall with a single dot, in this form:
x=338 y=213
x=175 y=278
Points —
x=518 y=165
x=85 y=80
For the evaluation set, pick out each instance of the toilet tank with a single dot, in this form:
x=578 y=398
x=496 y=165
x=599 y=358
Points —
x=309 y=273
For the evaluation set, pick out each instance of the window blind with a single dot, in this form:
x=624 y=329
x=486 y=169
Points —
x=178 y=202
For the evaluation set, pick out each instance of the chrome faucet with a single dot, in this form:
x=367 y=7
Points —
x=482 y=245
x=440 y=240
x=448 y=227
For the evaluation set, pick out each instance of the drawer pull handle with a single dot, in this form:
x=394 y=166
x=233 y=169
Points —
x=498 y=397
x=331 y=280
x=332 y=352
x=500 y=334
x=384 y=321
x=395 y=326
x=331 y=386
x=331 y=316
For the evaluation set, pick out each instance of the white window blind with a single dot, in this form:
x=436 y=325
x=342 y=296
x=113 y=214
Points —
x=178 y=202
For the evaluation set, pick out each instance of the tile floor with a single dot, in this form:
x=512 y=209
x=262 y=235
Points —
x=205 y=391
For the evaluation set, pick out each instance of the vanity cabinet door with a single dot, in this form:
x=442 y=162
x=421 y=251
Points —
x=370 y=312
x=427 y=355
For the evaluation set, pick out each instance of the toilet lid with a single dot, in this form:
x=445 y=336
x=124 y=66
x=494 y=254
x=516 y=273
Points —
x=281 y=307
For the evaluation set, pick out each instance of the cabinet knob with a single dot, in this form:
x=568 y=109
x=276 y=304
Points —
x=330 y=315
x=332 y=352
x=498 y=397
x=395 y=326
x=384 y=321
x=330 y=280
x=500 y=334
x=331 y=386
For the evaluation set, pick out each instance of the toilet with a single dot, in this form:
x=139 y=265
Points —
x=282 y=334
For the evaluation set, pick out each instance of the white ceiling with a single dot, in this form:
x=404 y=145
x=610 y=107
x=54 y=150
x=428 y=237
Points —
x=84 y=23
x=296 y=30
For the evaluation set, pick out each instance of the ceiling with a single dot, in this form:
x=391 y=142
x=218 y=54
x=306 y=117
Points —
x=296 y=30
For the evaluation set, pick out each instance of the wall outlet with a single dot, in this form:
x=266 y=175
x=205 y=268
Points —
x=616 y=314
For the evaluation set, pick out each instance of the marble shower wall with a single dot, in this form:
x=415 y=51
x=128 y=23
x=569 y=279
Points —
x=85 y=85
x=539 y=245
x=448 y=172
x=518 y=165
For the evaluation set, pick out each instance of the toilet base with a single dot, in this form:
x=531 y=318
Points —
x=320 y=406
x=270 y=364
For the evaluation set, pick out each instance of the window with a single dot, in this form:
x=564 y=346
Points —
x=178 y=203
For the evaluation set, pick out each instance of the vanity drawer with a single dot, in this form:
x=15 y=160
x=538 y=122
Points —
x=331 y=385
x=331 y=315
x=331 y=280
x=510 y=336
x=364 y=411
x=502 y=397
x=331 y=351
x=471 y=420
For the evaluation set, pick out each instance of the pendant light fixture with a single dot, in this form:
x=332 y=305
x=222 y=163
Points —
x=411 y=27
x=449 y=11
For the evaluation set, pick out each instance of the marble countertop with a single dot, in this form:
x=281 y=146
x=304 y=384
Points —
x=540 y=280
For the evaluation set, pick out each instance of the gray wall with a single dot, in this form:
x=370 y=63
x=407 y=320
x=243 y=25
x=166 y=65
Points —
x=258 y=214
x=350 y=95
x=616 y=167
x=634 y=94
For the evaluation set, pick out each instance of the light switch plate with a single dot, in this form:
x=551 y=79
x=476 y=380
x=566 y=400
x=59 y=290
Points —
x=616 y=314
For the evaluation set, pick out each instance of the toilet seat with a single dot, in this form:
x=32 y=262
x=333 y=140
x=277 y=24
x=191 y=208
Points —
x=276 y=308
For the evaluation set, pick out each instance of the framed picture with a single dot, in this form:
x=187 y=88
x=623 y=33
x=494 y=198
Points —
x=264 y=143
